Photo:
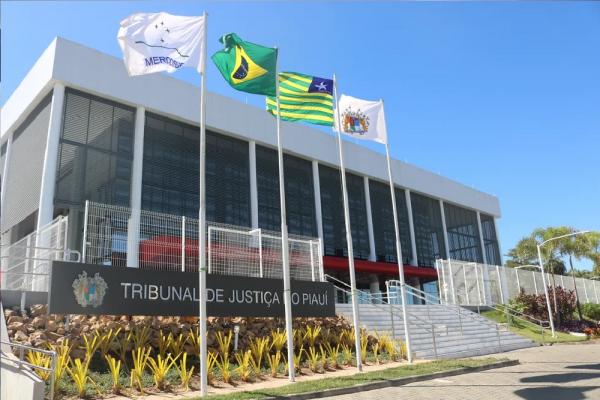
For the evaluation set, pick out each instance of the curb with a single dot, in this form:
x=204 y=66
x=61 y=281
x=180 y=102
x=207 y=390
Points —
x=396 y=382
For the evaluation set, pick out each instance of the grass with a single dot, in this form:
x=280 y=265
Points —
x=532 y=331
x=359 y=378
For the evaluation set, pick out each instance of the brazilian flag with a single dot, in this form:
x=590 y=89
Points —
x=247 y=67
x=303 y=98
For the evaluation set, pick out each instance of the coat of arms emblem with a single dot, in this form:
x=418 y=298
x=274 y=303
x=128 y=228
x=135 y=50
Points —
x=355 y=122
x=89 y=291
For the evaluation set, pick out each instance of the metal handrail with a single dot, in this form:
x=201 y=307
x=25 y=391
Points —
x=21 y=361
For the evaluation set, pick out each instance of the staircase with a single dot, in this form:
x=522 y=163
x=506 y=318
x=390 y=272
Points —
x=464 y=336
x=436 y=330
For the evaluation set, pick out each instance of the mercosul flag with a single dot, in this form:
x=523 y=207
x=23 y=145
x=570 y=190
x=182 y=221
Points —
x=155 y=42
x=362 y=119
x=246 y=66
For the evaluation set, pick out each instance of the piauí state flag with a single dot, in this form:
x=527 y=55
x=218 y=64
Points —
x=155 y=42
x=246 y=66
x=362 y=119
x=303 y=98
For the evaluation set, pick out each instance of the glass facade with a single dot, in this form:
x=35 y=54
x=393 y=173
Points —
x=299 y=193
x=95 y=151
x=490 y=241
x=429 y=233
x=463 y=233
x=171 y=179
x=383 y=223
x=334 y=230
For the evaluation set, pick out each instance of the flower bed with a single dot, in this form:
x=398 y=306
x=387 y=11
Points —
x=131 y=355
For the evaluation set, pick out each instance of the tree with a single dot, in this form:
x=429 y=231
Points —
x=525 y=252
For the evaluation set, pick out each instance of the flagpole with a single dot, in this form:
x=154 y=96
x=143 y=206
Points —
x=348 y=234
x=398 y=247
x=202 y=226
x=287 y=296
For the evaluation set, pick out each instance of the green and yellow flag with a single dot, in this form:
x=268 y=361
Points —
x=303 y=98
x=246 y=66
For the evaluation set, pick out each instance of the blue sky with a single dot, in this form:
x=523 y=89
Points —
x=502 y=96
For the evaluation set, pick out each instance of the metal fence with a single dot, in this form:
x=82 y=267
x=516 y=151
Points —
x=25 y=264
x=170 y=242
x=469 y=283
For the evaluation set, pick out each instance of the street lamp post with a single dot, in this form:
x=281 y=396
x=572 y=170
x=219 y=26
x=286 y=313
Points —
x=539 y=252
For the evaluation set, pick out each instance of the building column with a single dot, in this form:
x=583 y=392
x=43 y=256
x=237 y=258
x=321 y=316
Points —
x=48 y=185
x=446 y=244
x=411 y=226
x=498 y=241
x=5 y=172
x=318 y=211
x=253 y=185
x=372 y=254
x=483 y=255
x=133 y=229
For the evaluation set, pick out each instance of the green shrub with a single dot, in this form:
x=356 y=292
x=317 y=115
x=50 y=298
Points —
x=592 y=311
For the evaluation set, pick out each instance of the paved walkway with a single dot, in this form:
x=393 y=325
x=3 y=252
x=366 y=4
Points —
x=559 y=372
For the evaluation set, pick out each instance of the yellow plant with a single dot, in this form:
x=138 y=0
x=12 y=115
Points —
x=164 y=342
x=177 y=343
x=274 y=361
x=313 y=359
x=140 y=336
x=278 y=339
x=375 y=348
x=115 y=371
x=403 y=352
x=311 y=334
x=106 y=340
x=193 y=338
x=79 y=373
x=140 y=360
x=90 y=345
x=224 y=342
x=364 y=343
x=258 y=347
x=210 y=367
x=244 y=365
x=160 y=368
x=41 y=361
x=224 y=366
x=62 y=359
x=333 y=354
x=124 y=344
x=298 y=360
x=185 y=374
x=346 y=354
x=324 y=360
x=387 y=345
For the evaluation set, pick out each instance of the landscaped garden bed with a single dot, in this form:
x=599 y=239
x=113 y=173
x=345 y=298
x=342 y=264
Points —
x=101 y=356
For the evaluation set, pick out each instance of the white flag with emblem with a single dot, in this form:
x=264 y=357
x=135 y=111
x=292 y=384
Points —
x=362 y=119
x=155 y=42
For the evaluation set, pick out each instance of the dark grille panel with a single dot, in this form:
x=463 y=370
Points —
x=490 y=241
x=383 y=223
x=429 y=233
x=332 y=210
x=463 y=233
x=299 y=193
x=96 y=151
x=24 y=179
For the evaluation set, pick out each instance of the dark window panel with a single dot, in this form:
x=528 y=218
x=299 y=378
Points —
x=490 y=241
x=429 y=233
x=383 y=223
x=463 y=233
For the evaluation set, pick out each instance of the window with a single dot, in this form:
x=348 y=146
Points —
x=490 y=241
x=332 y=210
x=463 y=233
x=171 y=172
x=299 y=193
x=383 y=223
x=429 y=233
x=96 y=151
